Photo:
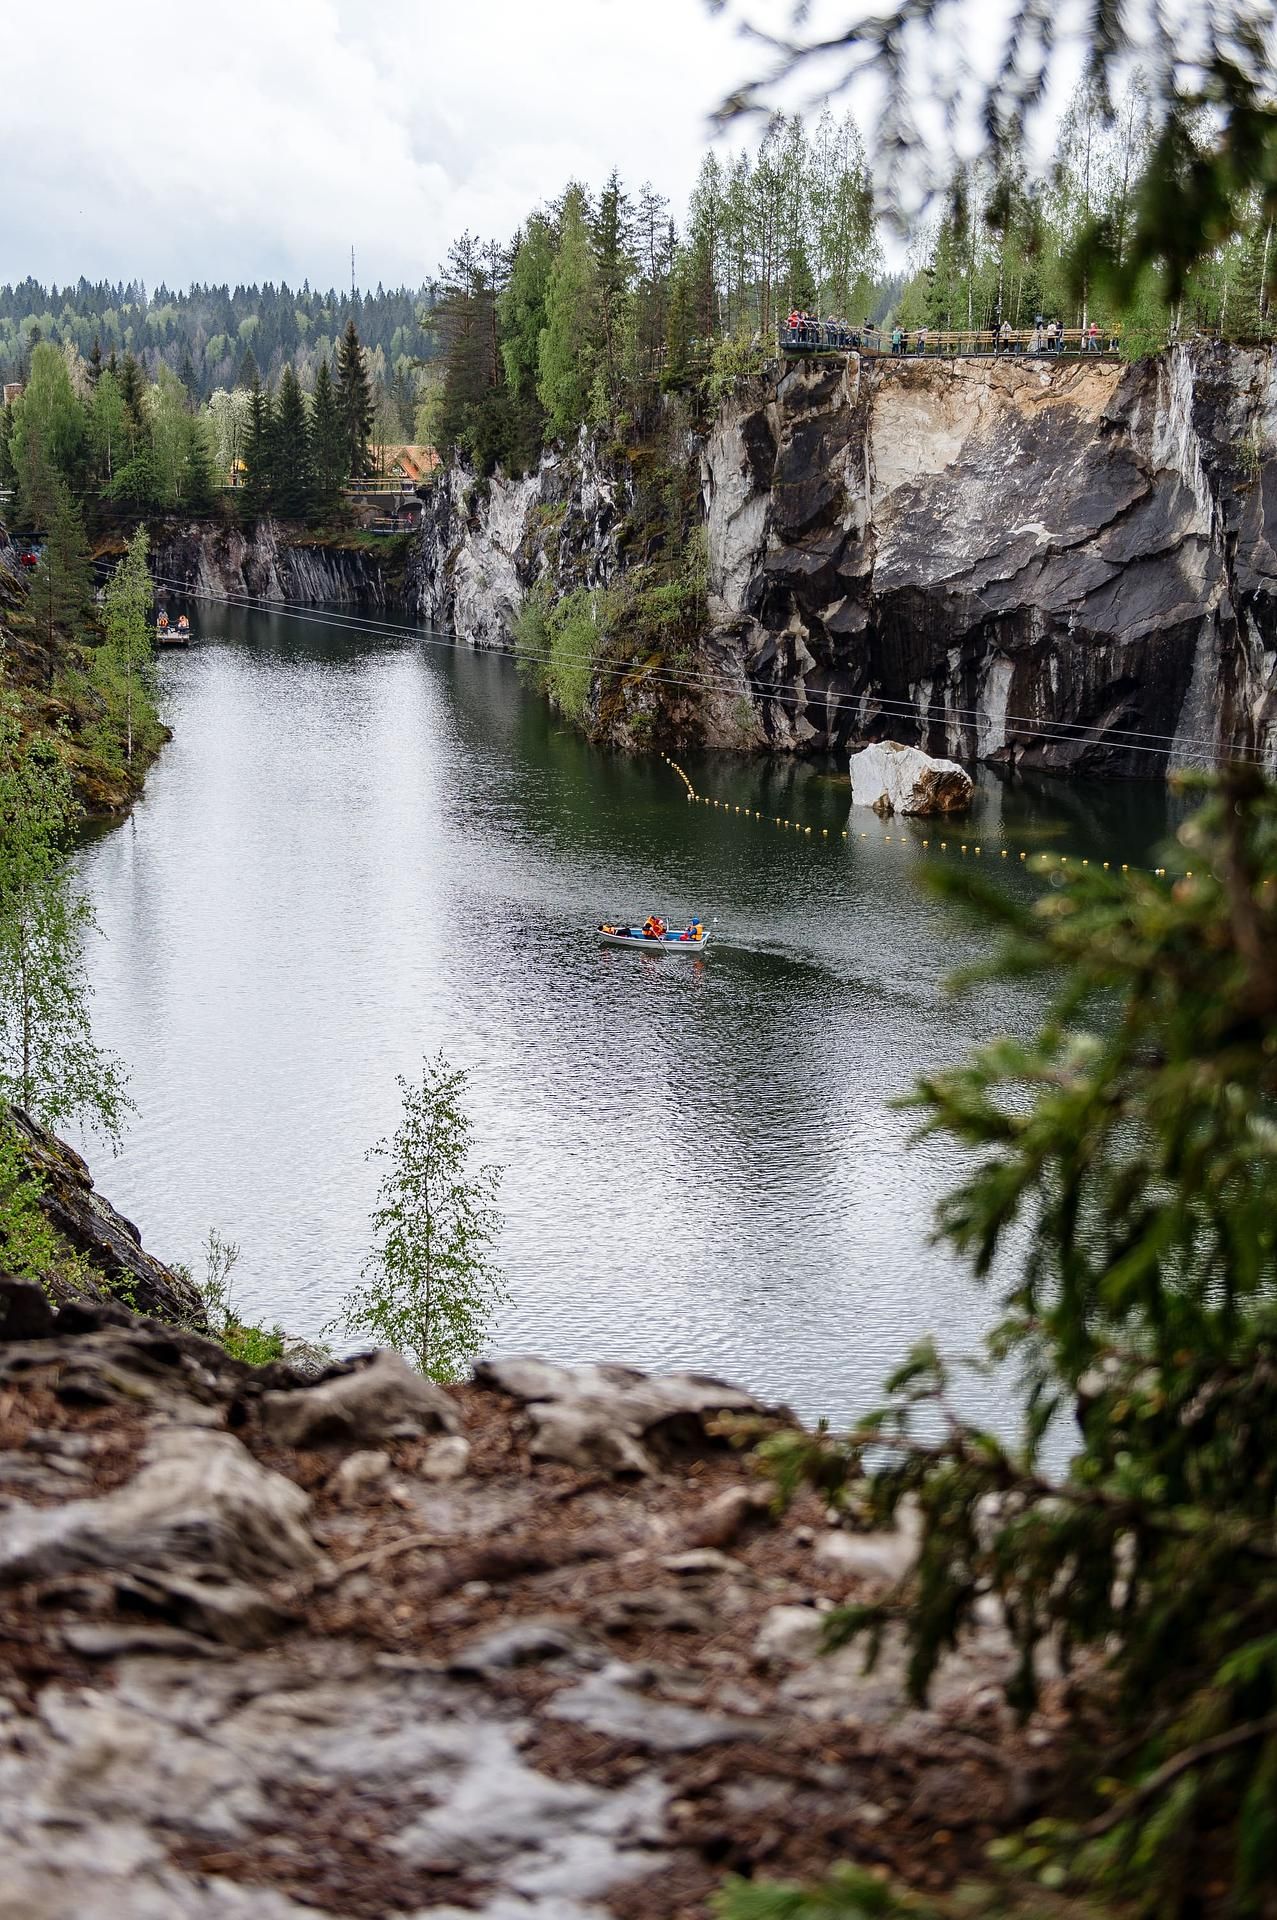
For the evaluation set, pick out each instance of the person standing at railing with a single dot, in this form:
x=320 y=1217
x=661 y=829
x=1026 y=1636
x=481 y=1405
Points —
x=1050 y=336
x=921 y=347
x=1035 y=345
x=1093 y=338
x=895 y=340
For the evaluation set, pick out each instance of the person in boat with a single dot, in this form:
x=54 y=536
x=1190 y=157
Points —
x=183 y=624
x=653 y=927
x=162 y=623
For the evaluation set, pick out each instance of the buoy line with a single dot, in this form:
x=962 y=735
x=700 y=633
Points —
x=1033 y=862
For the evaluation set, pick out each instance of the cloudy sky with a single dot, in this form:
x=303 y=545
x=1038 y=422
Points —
x=259 y=138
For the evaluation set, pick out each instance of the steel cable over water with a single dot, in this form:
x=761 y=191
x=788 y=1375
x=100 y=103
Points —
x=1075 y=732
x=1065 y=731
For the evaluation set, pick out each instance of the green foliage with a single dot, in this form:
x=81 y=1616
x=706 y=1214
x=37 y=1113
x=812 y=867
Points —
x=124 y=663
x=559 y=641
x=354 y=401
x=328 y=441
x=49 y=1063
x=1132 y=1145
x=29 y=1248
x=734 y=359
x=430 y=1286
x=1208 y=142
x=242 y=1340
x=259 y=450
x=62 y=591
x=850 y=1893
x=294 y=473
x=47 y=433
x=214 y=336
x=565 y=359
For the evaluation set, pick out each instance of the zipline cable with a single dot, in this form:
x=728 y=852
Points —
x=1194 y=748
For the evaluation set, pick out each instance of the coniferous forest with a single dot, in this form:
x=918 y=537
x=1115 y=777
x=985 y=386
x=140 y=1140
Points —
x=162 y=399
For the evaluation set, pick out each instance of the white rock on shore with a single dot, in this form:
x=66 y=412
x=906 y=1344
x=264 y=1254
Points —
x=892 y=778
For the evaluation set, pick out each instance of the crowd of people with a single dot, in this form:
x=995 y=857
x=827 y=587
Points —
x=806 y=331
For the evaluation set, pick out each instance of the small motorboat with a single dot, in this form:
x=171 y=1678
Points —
x=656 y=936
x=172 y=636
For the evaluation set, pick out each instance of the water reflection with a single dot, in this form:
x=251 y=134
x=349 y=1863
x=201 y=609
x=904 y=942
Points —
x=357 y=850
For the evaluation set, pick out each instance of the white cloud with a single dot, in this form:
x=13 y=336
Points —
x=259 y=139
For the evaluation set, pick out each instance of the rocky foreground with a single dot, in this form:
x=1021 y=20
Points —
x=533 y=1648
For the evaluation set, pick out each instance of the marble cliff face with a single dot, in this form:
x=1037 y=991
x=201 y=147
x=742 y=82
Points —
x=1057 y=566
x=1064 y=566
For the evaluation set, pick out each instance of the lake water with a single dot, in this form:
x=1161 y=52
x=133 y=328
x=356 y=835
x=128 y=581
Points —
x=359 y=850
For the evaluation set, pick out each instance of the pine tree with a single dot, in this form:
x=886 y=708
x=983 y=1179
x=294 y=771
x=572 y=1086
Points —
x=613 y=228
x=568 y=345
x=354 y=399
x=294 y=490
x=133 y=392
x=95 y=362
x=327 y=440
x=201 y=468
x=248 y=370
x=522 y=306
x=259 y=450
x=61 y=592
x=127 y=618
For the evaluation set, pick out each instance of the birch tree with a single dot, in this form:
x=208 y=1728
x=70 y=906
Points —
x=430 y=1286
x=49 y=1062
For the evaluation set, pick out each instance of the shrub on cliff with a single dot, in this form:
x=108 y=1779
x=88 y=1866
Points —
x=1134 y=1143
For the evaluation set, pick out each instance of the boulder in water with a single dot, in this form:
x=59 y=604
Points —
x=892 y=778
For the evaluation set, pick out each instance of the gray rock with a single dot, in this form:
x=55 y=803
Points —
x=373 y=1399
x=608 y=1703
x=789 y=1633
x=612 y=1418
x=202 y=1523
x=359 y=1471
x=892 y=778
x=872 y=1556
x=447 y=1458
x=999 y=546
x=113 y=1246
x=526 y=1643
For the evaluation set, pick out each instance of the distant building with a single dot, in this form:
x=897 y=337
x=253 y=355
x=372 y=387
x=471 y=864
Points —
x=413 y=464
x=12 y=388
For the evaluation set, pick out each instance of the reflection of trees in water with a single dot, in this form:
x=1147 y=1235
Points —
x=1128 y=818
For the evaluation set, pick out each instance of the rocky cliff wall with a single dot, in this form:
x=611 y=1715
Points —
x=1066 y=566
x=266 y=564
x=485 y=543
